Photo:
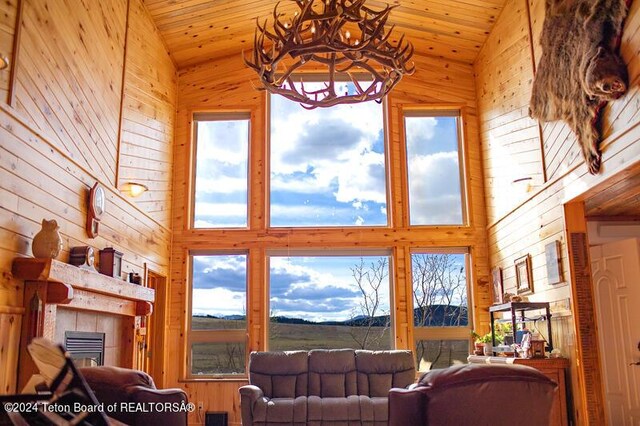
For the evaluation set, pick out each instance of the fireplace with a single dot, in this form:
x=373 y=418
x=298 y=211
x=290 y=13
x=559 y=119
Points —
x=86 y=348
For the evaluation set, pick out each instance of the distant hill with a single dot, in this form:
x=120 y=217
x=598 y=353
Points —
x=435 y=315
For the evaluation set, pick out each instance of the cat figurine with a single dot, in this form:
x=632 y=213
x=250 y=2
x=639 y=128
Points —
x=47 y=243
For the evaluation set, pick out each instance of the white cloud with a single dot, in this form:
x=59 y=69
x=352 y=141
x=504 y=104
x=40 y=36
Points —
x=222 y=185
x=218 y=301
x=313 y=151
x=434 y=189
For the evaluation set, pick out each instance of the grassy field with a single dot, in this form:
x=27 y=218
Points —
x=229 y=358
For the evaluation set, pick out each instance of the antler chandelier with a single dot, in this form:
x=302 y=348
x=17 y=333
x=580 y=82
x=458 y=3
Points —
x=339 y=37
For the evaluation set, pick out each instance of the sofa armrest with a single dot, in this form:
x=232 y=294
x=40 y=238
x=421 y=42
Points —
x=167 y=407
x=249 y=394
x=407 y=406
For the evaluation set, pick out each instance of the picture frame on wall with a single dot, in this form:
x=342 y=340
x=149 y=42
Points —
x=524 y=281
x=553 y=262
x=496 y=280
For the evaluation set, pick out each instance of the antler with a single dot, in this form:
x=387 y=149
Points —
x=321 y=32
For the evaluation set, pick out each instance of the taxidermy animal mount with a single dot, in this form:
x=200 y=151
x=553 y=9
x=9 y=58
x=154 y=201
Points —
x=580 y=69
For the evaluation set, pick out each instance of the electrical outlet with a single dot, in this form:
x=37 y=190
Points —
x=200 y=405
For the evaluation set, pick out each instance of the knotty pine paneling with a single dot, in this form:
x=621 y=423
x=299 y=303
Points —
x=61 y=137
x=148 y=116
x=197 y=32
x=70 y=77
x=225 y=85
x=8 y=12
x=511 y=142
x=524 y=223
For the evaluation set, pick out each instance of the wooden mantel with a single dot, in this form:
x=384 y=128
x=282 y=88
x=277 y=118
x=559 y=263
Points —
x=69 y=285
x=50 y=284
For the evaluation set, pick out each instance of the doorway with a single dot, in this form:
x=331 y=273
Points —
x=156 y=326
x=615 y=268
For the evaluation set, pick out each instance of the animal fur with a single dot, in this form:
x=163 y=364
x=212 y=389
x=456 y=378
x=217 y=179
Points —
x=580 y=69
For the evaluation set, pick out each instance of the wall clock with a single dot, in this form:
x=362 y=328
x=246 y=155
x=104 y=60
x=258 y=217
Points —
x=97 y=207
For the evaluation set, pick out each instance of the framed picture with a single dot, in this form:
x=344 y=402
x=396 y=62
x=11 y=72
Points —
x=554 y=267
x=524 y=282
x=496 y=280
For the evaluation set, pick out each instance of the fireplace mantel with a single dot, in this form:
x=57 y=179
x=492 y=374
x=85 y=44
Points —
x=70 y=285
x=52 y=287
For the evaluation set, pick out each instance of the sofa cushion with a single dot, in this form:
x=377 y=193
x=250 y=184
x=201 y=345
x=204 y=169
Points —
x=279 y=374
x=281 y=410
x=332 y=373
x=373 y=410
x=325 y=410
x=379 y=371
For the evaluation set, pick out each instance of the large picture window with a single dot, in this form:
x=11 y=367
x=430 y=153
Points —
x=440 y=307
x=221 y=170
x=218 y=322
x=329 y=302
x=434 y=168
x=328 y=165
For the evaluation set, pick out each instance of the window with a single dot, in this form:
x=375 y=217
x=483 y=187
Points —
x=328 y=165
x=329 y=302
x=434 y=165
x=218 y=323
x=440 y=307
x=221 y=170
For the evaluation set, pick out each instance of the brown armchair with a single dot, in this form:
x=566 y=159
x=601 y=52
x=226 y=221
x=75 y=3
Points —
x=475 y=394
x=133 y=391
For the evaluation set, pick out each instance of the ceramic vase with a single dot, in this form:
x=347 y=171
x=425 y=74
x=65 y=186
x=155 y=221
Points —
x=47 y=243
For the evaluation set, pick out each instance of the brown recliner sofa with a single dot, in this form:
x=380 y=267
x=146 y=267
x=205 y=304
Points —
x=475 y=394
x=137 y=400
x=323 y=387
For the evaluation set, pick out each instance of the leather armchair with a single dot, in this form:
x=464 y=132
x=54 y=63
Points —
x=121 y=386
x=475 y=394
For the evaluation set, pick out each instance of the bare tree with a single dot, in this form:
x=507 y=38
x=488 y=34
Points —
x=367 y=330
x=440 y=298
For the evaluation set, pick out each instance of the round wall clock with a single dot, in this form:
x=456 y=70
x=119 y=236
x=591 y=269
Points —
x=97 y=207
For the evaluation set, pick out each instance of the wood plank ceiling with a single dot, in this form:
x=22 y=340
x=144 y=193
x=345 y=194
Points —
x=197 y=31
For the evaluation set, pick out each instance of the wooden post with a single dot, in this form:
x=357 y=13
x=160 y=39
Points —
x=589 y=403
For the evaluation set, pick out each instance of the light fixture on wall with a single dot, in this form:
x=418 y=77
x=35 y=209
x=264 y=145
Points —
x=343 y=38
x=133 y=189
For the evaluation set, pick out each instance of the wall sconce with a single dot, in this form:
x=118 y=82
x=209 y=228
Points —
x=134 y=189
x=524 y=184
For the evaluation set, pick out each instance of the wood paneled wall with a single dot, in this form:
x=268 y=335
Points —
x=514 y=145
x=148 y=116
x=62 y=135
x=225 y=85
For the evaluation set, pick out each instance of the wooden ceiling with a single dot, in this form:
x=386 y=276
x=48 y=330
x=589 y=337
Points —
x=617 y=198
x=197 y=31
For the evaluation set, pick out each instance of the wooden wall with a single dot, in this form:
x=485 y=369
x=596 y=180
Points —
x=515 y=146
x=62 y=132
x=225 y=86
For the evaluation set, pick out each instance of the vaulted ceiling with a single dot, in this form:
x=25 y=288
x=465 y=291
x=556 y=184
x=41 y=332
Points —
x=197 y=31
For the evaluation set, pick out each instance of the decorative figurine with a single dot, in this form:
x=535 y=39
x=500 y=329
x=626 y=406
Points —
x=47 y=243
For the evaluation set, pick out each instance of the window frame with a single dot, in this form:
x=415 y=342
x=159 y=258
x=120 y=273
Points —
x=449 y=333
x=216 y=335
x=387 y=161
x=437 y=111
x=349 y=252
x=222 y=115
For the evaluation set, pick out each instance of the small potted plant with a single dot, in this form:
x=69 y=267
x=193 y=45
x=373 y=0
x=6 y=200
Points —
x=480 y=342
